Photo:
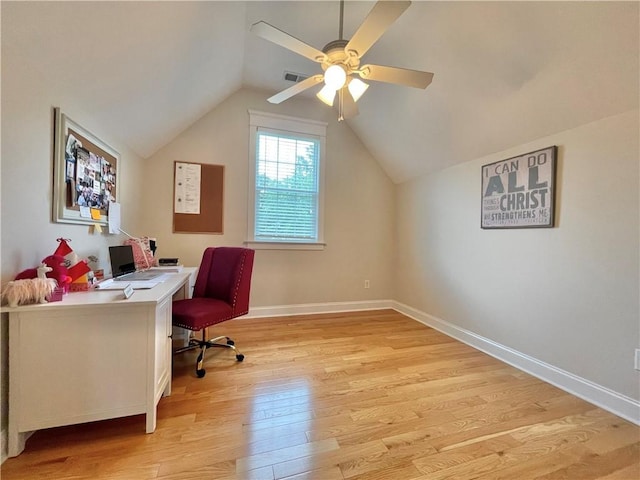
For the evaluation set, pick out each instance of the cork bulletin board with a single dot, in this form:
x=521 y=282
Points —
x=86 y=174
x=198 y=192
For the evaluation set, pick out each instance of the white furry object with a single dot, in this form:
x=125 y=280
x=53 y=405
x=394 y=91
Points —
x=43 y=269
x=28 y=291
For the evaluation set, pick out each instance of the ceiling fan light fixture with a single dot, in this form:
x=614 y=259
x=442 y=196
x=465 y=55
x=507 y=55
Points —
x=335 y=77
x=327 y=95
x=357 y=88
x=340 y=59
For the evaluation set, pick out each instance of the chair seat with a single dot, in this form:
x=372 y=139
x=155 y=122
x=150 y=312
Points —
x=199 y=313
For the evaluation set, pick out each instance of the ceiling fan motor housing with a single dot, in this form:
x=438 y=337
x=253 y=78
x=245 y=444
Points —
x=340 y=59
x=336 y=54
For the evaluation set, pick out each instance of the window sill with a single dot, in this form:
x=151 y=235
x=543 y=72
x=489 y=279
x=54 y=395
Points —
x=284 y=245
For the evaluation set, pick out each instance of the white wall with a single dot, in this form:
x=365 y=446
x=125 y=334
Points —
x=569 y=295
x=359 y=206
x=27 y=232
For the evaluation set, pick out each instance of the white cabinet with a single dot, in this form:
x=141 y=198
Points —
x=92 y=356
x=162 y=360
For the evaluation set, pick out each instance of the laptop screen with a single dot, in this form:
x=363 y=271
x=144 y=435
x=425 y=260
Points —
x=121 y=260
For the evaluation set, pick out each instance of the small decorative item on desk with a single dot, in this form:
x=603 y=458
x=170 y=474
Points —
x=27 y=291
x=57 y=292
x=95 y=275
x=142 y=254
x=98 y=275
x=77 y=269
x=52 y=267
x=79 y=278
x=80 y=285
x=56 y=275
x=60 y=272
x=42 y=270
x=56 y=295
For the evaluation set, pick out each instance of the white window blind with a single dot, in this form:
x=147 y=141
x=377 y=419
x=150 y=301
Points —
x=286 y=192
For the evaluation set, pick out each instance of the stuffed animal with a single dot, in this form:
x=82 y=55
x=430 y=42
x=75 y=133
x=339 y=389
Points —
x=58 y=271
x=43 y=269
x=27 y=291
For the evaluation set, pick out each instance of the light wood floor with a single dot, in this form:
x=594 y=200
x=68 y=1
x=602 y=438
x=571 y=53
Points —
x=369 y=395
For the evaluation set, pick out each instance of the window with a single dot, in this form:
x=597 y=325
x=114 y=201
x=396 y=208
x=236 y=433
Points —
x=286 y=184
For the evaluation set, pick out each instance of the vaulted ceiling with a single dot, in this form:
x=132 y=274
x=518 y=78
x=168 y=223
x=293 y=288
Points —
x=505 y=72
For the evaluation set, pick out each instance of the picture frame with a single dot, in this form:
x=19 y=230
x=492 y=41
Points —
x=519 y=192
x=86 y=174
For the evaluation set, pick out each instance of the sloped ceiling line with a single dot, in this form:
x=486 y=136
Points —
x=148 y=70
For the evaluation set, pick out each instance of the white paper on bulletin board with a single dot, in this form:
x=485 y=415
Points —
x=114 y=217
x=188 y=177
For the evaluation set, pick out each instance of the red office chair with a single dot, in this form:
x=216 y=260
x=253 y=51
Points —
x=220 y=294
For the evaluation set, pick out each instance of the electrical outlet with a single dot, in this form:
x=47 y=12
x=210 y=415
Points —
x=366 y=284
x=637 y=361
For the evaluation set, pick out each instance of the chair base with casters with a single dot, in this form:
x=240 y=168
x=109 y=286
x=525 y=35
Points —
x=204 y=344
x=221 y=293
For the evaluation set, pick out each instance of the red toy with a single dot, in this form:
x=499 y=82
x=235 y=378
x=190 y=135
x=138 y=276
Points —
x=59 y=271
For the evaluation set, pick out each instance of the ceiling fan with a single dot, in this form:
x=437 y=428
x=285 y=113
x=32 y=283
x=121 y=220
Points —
x=340 y=60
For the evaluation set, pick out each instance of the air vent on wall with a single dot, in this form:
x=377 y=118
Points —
x=294 y=77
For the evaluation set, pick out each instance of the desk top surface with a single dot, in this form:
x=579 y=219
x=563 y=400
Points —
x=104 y=298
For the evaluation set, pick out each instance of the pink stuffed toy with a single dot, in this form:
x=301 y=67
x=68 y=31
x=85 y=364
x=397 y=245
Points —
x=59 y=271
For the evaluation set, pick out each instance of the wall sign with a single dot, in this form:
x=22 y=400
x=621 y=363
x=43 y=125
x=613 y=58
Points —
x=520 y=192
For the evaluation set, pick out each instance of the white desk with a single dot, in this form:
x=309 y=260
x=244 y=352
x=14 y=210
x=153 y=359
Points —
x=92 y=356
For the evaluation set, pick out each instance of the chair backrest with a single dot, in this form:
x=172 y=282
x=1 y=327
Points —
x=225 y=274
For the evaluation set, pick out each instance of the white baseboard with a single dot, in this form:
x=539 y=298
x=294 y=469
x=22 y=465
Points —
x=607 y=399
x=614 y=402
x=313 y=308
x=603 y=397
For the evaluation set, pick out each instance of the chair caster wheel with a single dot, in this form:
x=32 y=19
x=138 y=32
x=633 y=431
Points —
x=200 y=371
x=230 y=342
x=240 y=357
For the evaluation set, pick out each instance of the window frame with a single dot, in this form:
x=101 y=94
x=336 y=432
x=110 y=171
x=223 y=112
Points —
x=296 y=127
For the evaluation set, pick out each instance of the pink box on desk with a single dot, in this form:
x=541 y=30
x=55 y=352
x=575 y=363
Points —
x=56 y=295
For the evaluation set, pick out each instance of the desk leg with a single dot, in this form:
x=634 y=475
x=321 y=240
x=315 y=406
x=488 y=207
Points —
x=167 y=390
x=151 y=420
x=16 y=442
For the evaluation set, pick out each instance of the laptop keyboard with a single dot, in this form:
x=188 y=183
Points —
x=138 y=276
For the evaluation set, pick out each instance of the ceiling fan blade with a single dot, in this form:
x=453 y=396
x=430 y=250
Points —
x=295 y=89
x=349 y=107
x=400 y=76
x=277 y=36
x=381 y=16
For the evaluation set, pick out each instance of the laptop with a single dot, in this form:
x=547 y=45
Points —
x=123 y=266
